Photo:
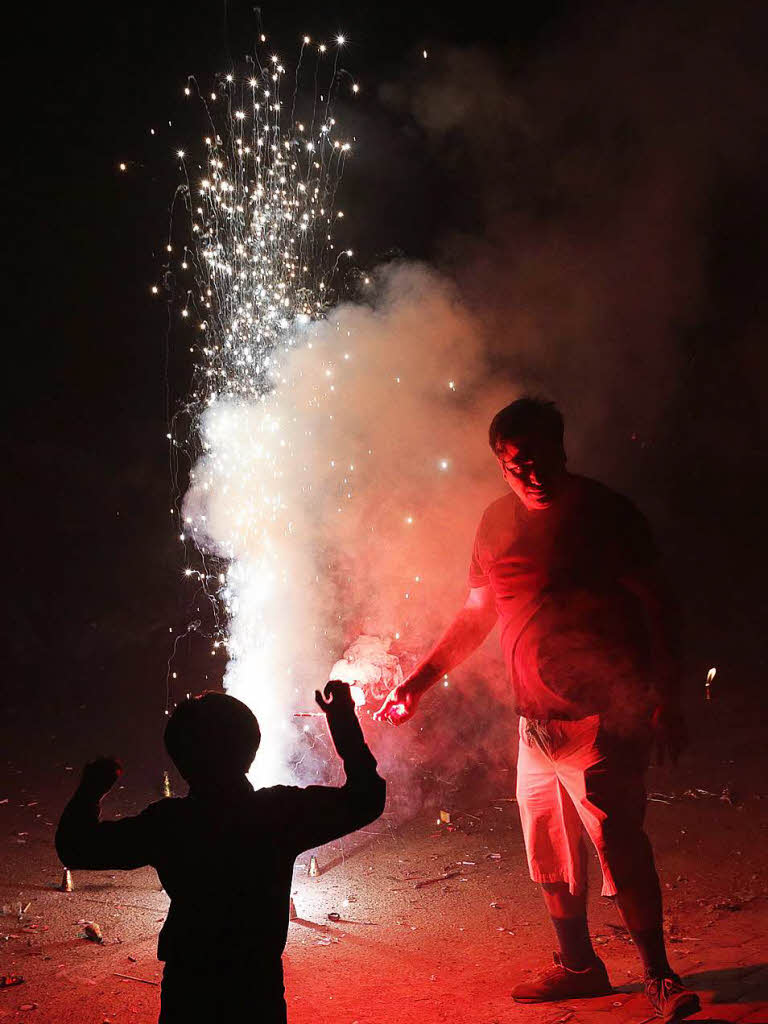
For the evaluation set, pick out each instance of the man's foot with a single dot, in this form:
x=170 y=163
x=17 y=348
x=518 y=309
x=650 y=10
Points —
x=670 y=998
x=560 y=982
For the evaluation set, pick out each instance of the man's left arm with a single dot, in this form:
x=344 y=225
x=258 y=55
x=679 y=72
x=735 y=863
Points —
x=664 y=623
x=85 y=842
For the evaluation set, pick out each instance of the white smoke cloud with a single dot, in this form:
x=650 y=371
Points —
x=346 y=500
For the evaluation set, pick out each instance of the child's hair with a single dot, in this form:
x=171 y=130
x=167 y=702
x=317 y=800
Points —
x=212 y=735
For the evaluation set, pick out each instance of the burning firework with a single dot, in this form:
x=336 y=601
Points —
x=300 y=413
x=262 y=261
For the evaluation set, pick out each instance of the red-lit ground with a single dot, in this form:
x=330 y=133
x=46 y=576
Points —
x=440 y=952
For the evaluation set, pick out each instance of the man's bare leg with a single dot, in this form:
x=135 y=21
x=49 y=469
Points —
x=641 y=910
x=578 y=972
x=569 y=918
x=561 y=902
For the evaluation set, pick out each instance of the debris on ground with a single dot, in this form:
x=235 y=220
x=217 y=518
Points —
x=696 y=793
x=9 y=980
x=91 y=931
x=334 y=916
x=67 y=885
x=440 y=878
x=130 y=977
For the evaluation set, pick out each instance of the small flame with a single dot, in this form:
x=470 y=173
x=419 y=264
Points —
x=707 y=687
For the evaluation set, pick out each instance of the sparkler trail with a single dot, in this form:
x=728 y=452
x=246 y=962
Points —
x=262 y=262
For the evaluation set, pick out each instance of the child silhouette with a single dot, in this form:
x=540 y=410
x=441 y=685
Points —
x=225 y=852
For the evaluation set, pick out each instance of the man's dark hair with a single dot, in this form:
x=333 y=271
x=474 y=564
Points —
x=534 y=419
x=213 y=735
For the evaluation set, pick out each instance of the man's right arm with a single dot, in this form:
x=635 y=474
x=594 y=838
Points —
x=466 y=633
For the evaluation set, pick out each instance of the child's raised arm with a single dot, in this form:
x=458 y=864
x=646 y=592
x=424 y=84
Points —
x=323 y=813
x=82 y=841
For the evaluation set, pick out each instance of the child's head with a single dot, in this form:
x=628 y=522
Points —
x=213 y=736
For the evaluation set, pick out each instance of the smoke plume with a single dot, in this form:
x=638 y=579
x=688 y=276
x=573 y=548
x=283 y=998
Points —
x=577 y=263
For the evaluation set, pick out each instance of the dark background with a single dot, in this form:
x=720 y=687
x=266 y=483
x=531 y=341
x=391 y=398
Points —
x=91 y=598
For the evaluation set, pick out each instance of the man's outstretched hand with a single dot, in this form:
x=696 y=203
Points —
x=99 y=776
x=670 y=733
x=399 y=706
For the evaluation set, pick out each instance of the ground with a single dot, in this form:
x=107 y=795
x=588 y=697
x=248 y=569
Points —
x=437 y=921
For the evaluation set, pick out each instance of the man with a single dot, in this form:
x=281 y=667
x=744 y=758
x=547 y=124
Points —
x=589 y=636
x=225 y=852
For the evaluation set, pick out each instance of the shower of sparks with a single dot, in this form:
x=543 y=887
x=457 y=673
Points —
x=262 y=215
x=260 y=261
x=255 y=273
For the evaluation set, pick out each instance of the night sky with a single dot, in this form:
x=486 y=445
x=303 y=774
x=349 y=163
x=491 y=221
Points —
x=558 y=130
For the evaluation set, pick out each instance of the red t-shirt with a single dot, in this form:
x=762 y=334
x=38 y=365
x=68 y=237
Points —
x=575 y=641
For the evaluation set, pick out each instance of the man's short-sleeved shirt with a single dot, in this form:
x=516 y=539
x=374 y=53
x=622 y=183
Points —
x=574 y=639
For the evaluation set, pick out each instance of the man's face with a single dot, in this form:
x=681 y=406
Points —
x=534 y=470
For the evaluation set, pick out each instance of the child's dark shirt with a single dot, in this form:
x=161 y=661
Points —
x=225 y=857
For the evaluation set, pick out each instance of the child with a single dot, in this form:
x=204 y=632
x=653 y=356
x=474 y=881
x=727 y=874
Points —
x=225 y=852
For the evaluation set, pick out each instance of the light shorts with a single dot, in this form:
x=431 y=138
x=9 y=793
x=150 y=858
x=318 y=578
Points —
x=572 y=777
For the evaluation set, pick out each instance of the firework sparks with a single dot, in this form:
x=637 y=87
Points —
x=298 y=499
x=260 y=259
